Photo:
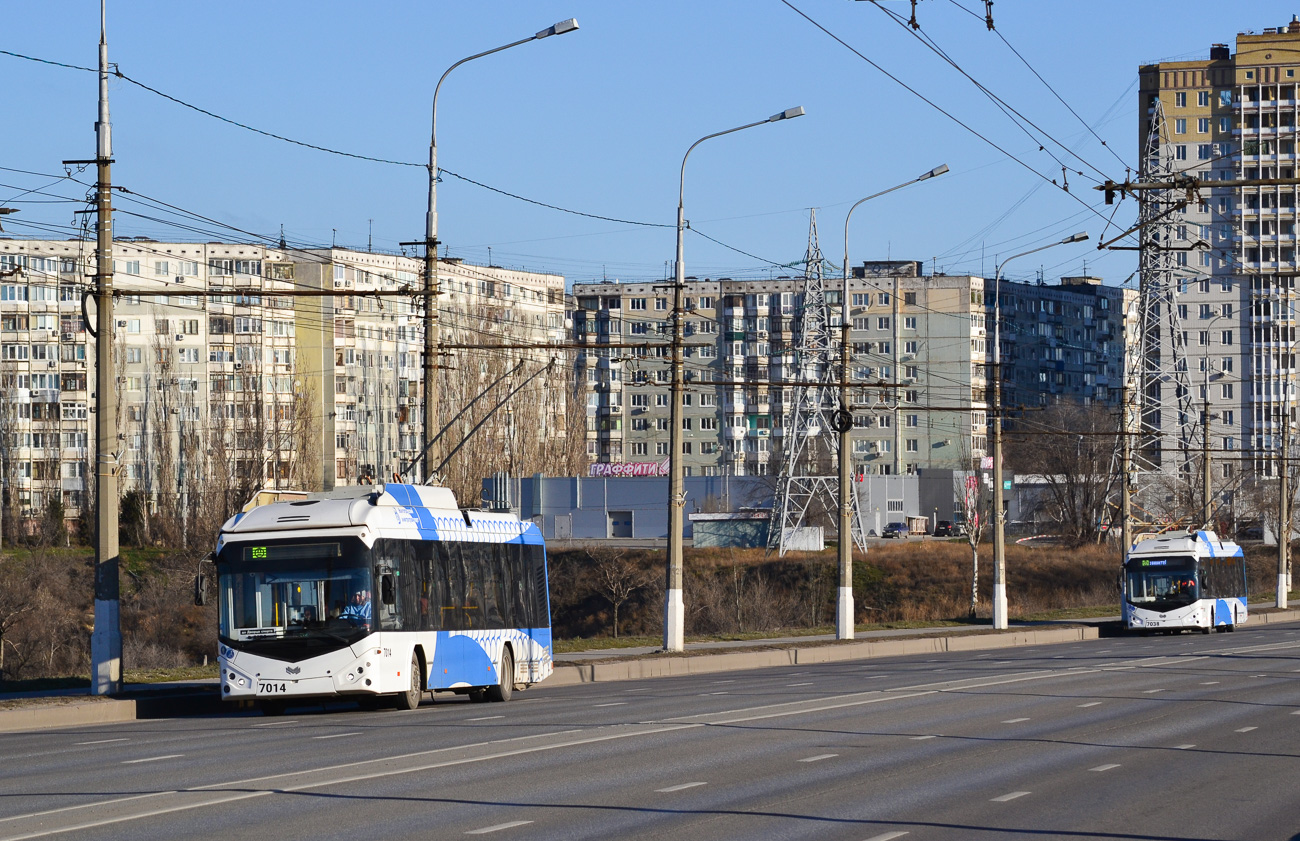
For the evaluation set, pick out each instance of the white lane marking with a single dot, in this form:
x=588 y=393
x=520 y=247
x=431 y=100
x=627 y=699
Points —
x=485 y=718
x=921 y=738
x=644 y=689
x=720 y=682
x=1153 y=691
x=103 y=741
x=1059 y=657
x=338 y=735
x=1014 y=720
x=1246 y=729
x=1105 y=767
x=1184 y=747
x=1012 y=796
x=887 y=836
x=1091 y=704
x=614 y=704
x=680 y=787
x=1209 y=683
x=153 y=758
x=799 y=684
x=819 y=757
x=1297 y=712
x=274 y=723
x=485 y=830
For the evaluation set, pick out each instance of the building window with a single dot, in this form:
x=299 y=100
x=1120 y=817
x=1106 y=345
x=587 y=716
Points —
x=1202 y=98
x=1180 y=125
x=640 y=448
x=1180 y=100
x=1225 y=391
x=1180 y=152
x=1203 y=125
x=661 y=448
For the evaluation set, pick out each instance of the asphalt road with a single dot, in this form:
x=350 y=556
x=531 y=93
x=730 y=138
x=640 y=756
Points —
x=1192 y=737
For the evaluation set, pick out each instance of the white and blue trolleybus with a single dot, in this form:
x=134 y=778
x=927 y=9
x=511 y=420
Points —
x=379 y=593
x=1183 y=580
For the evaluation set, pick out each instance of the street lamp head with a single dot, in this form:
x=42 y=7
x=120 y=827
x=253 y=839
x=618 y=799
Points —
x=1079 y=237
x=787 y=114
x=938 y=170
x=559 y=28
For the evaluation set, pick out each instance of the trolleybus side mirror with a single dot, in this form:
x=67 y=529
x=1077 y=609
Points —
x=387 y=592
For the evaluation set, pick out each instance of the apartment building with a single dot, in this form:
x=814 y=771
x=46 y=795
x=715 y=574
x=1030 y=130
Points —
x=248 y=387
x=1234 y=116
x=922 y=346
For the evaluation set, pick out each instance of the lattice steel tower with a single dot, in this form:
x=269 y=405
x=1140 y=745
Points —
x=810 y=445
x=1169 y=424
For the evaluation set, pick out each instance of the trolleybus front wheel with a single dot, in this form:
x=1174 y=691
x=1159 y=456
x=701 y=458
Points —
x=410 y=699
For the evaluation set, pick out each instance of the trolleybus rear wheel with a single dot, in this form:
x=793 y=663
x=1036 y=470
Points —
x=505 y=678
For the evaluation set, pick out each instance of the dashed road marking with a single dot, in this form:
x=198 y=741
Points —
x=152 y=758
x=1014 y=720
x=1245 y=729
x=921 y=738
x=1184 y=747
x=485 y=718
x=337 y=735
x=1011 y=796
x=1209 y=683
x=1091 y=704
x=485 y=830
x=799 y=684
x=819 y=757
x=612 y=704
x=887 y=836
x=106 y=741
x=1153 y=691
x=1105 y=767
x=275 y=723
x=679 y=787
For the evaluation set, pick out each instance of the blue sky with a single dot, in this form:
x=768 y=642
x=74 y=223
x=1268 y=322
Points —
x=597 y=121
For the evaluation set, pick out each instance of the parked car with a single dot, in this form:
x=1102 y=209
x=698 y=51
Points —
x=943 y=528
x=894 y=530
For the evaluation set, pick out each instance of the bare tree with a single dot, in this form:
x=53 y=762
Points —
x=1072 y=447
x=617 y=577
x=970 y=489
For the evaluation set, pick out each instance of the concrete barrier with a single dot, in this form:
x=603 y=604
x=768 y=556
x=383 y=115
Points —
x=568 y=674
x=42 y=716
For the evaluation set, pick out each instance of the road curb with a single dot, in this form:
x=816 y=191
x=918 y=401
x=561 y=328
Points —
x=568 y=674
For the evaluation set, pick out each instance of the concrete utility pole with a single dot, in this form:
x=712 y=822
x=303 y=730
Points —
x=1283 y=506
x=1126 y=466
x=1206 y=478
x=674 y=607
x=844 y=626
x=431 y=326
x=4 y=211
x=999 y=515
x=106 y=639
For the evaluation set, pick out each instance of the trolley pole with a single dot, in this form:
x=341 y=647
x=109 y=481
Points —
x=106 y=638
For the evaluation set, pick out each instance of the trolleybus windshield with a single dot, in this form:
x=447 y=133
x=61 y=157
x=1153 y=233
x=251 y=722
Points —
x=1161 y=583
x=275 y=592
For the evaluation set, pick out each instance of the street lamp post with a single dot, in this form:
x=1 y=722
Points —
x=999 y=535
x=430 y=370
x=844 y=601
x=674 y=608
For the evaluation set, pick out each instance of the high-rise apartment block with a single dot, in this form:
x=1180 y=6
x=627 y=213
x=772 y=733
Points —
x=922 y=345
x=226 y=381
x=1232 y=116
